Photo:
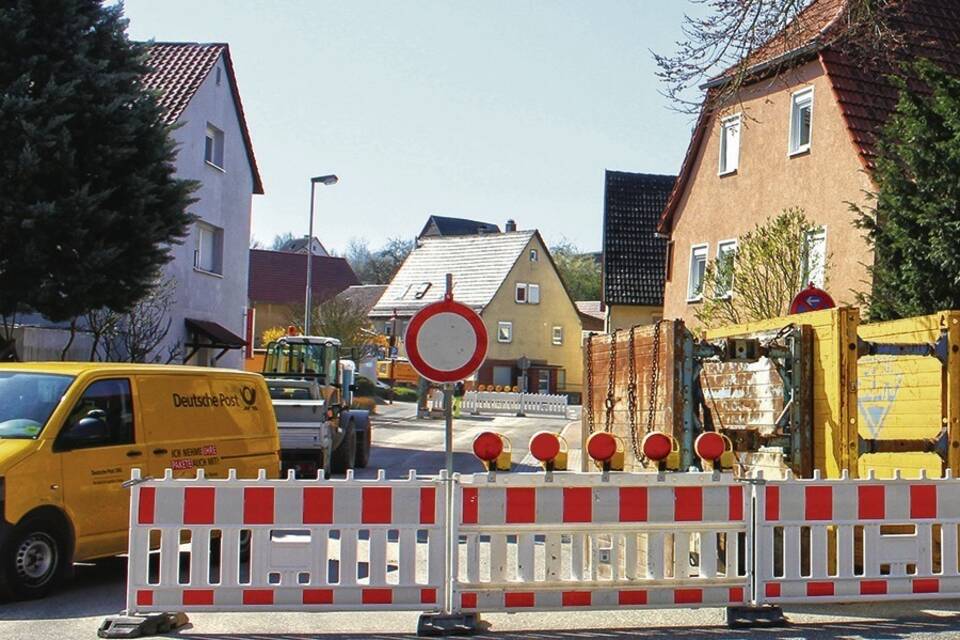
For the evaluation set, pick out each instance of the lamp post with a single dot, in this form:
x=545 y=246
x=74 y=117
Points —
x=326 y=181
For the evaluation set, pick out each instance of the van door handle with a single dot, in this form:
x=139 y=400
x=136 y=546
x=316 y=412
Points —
x=160 y=452
x=134 y=454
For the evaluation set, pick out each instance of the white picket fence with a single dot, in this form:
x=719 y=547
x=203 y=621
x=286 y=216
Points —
x=480 y=402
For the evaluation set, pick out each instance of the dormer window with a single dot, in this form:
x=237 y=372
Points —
x=213 y=148
x=421 y=290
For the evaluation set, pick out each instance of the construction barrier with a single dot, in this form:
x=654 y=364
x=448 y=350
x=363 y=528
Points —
x=568 y=541
x=856 y=540
x=336 y=545
x=479 y=402
x=536 y=542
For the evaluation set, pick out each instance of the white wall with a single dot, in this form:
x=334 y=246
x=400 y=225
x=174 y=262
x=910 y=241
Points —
x=224 y=201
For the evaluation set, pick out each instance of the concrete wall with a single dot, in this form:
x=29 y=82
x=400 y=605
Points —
x=624 y=316
x=533 y=323
x=224 y=201
x=822 y=181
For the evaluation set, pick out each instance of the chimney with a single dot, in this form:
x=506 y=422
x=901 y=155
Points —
x=510 y=226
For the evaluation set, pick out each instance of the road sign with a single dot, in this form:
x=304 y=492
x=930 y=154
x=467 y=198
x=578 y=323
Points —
x=811 y=299
x=446 y=341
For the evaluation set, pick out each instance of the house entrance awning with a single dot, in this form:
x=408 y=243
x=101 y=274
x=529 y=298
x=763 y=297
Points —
x=205 y=334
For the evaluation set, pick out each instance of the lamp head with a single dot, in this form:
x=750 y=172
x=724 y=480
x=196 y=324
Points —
x=326 y=180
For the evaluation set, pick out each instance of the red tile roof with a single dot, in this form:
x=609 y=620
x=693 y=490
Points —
x=920 y=28
x=178 y=69
x=279 y=277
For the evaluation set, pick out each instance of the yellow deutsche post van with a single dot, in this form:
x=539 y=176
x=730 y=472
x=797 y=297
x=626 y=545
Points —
x=72 y=432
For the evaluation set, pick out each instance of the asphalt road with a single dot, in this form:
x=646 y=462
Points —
x=402 y=443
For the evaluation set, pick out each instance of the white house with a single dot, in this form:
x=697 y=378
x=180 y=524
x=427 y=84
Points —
x=198 y=89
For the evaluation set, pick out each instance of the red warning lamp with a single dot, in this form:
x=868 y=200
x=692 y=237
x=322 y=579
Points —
x=293 y=331
x=550 y=449
x=657 y=446
x=602 y=446
x=710 y=446
x=487 y=446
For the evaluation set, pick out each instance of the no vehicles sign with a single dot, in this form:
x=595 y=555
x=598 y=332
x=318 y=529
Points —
x=446 y=341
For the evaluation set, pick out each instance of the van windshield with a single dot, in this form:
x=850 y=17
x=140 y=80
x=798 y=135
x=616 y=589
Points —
x=27 y=400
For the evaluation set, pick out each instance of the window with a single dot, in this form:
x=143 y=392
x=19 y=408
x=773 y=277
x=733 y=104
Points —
x=726 y=254
x=218 y=76
x=108 y=403
x=504 y=332
x=729 y=144
x=561 y=379
x=422 y=290
x=558 y=335
x=502 y=376
x=208 y=251
x=698 y=269
x=543 y=381
x=213 y=149
x=533 y=293
x=801 y=115
x=815 y=257
x=534 y=255
x=520 y=295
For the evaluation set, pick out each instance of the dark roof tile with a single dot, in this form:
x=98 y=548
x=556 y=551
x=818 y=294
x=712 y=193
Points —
x=279 y=277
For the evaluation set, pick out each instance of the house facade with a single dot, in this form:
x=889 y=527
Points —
x=510 y=279
x=197 y=87
x=634 y=254
x=802 y=136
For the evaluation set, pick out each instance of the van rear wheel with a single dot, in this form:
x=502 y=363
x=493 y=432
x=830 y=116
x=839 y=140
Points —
x=34 y=559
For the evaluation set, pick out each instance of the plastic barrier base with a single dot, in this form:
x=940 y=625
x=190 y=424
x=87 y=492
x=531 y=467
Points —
x=746 y=617
x=124 y=626
x=448 y=624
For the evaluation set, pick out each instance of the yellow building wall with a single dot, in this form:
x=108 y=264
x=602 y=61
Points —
x=714 y=208
x=269 y=316
x=624 y=316
x=533 y=323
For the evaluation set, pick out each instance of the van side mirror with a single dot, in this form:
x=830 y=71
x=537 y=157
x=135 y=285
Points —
x=88 y=430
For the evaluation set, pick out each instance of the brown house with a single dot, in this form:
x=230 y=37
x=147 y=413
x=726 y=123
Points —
x=278 y=285
x=801 y=133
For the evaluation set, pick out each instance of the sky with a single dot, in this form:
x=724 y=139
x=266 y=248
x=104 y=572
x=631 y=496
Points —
x=484 y=110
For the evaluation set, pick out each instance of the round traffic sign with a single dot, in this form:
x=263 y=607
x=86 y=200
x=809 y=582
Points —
x=446 y=341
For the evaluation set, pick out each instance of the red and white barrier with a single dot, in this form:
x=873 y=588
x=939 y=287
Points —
x=574 y=540
x=313 y=544
x=856 y=540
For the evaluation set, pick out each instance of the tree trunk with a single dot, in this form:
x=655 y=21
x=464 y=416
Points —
x=8 y=350
x=73 y=335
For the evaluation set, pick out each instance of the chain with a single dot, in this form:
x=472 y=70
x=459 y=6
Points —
x=590 y=416
x=611 y=381
x=632 y=392
x=654 y=378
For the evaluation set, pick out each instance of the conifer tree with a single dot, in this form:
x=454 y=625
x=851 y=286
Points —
x=88 y=199
x=913 y=219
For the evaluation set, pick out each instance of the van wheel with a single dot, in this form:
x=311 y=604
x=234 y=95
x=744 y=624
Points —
x=364 y=442
x=34 y=559
x=344 y=455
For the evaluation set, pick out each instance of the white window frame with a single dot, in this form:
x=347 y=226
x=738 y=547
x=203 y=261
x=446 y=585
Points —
x=557 y=335
x=501 y=325
x=533 y=293
x=216 y=266
x=725 y=125
x=692 y=296
x=213 y=145
x=822 y=268
x=520 y=286
x=798 y=99
x=724 y=244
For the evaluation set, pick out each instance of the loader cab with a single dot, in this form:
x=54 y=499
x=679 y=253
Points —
x=308 y=357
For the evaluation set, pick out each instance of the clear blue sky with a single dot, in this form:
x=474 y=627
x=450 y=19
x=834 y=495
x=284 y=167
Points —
x=487 y=110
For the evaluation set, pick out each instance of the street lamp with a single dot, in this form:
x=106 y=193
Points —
x=326 y=181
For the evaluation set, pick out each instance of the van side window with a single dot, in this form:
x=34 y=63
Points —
x=102 y=417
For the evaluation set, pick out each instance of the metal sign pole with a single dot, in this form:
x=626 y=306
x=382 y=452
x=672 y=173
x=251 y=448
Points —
x=448 y=450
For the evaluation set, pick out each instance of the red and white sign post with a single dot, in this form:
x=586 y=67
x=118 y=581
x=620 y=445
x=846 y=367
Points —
x=446 y=342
